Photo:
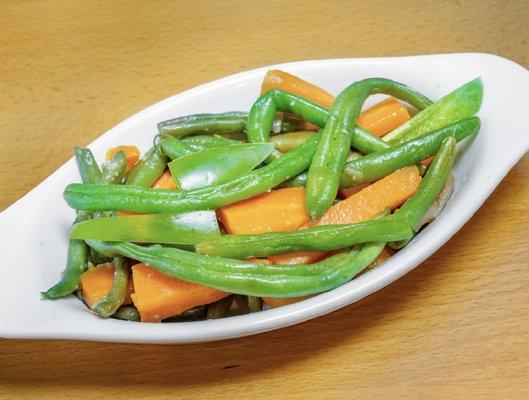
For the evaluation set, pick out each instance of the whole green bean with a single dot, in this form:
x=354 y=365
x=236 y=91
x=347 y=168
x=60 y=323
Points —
x=291 y=140
x=109 y=304
x=319 y=238
x=431 y=185
x=148 y=169
x=220 y=308
x=242 y=277
x=127 y=313
x=462 y=103
x=203 y=142
x=87 y=165
x=204 y=123
x=377 y=165
x=323 y=178
x=143 y=200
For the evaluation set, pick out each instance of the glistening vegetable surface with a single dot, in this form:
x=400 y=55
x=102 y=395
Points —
x=209 y=203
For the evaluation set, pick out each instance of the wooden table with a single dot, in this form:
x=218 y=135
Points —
x=456 y=327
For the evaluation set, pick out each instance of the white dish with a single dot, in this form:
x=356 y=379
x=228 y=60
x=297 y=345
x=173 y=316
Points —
x=33 y=231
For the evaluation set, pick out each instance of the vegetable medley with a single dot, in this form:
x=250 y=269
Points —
x=229 y=211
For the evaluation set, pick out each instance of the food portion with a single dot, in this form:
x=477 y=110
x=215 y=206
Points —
x=235 y=212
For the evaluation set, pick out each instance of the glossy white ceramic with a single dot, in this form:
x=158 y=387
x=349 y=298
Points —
x=33 y=231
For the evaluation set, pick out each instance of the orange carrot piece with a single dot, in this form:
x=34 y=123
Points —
x=283 y=301
x=165 y=181
x=132 y=155
x=275 y=211
x=345 y=193
x=276 y=79
x=389 y=192
x=156 y=296
x=97 y=281
x=383 y=117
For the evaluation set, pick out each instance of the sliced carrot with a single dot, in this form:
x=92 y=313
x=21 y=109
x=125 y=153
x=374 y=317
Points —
x=132 y=155
x=165 y=181
x=389 y=192
x=276 y=79
x=97 y=281
x=345 y=193
x=383 y=117
x=156 y=296
x=275 y=211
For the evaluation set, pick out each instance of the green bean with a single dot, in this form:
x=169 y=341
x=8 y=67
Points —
x=173 y=147
x=242 y=277
x=254 y=304
x=203 y=142
x=143 y=200
x=193 y=314
x=291 y=140
x=377 y=165
x=462 y=103
x=431 y=185
x=204 y=123
x=220 y=308
x=260 y=120
x=88 y=168
x=323 y=178
x=109 y=304
x=95 y=258
x=127 y=313
x=319 y=238
x=148 y=169
x=113 y=171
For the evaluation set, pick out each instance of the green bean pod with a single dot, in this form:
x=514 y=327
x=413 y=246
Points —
x=148 y=169
x=323 y=178
x=87 y=165
x=203 y=142
x=291 y=140
x=319 y=238
x=220 y=308
x=109 y=304
x=228 y=122
x=144 y=200
x=173 y=147
x=113 y=171
x=243 y=277
x=431 y=185
x=127 y=313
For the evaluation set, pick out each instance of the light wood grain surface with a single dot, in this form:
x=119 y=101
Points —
x=456 y=327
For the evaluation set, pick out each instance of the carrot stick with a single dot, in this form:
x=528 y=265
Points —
x=275 y=211
x=389 y=192
x=132 y=155
x=383 y=117
x=165 y=181
x=97 y=281
x=156 y=296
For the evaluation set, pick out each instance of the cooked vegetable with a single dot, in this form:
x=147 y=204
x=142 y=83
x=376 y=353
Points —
x=130 y=198
x=217 y=164
x=158 y=296
x=96 y=283
x=173 y=147
x=319 y=238
x=203 y=142
x=165 y=181
x=127 y=313
x=132 y=155
x=235 y=276
x=148 y=169
x=383 y=117
x=323 y=178
x=370 y=202
x=275 y=211
x=291 y=140
x=277 y=79
x=115 y=297
x=462 y=103
x=186 y=228
x=220 y=308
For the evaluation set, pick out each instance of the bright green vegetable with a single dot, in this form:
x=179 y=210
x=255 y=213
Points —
x=462 y=103
x=109 y=304
x=88 y=168
x=148 y=169
x=319 y=238
x=187 y=228
x=113 y=171
x=243 y=277
x=220 y=308
x=204 y=123
x=127 y=313
x=323 y=178
x=291 y=140
x=218 y=164
x=143 y=200
x=173 y=147
x=431 y=185
x=203 y=142
x=377 y=165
